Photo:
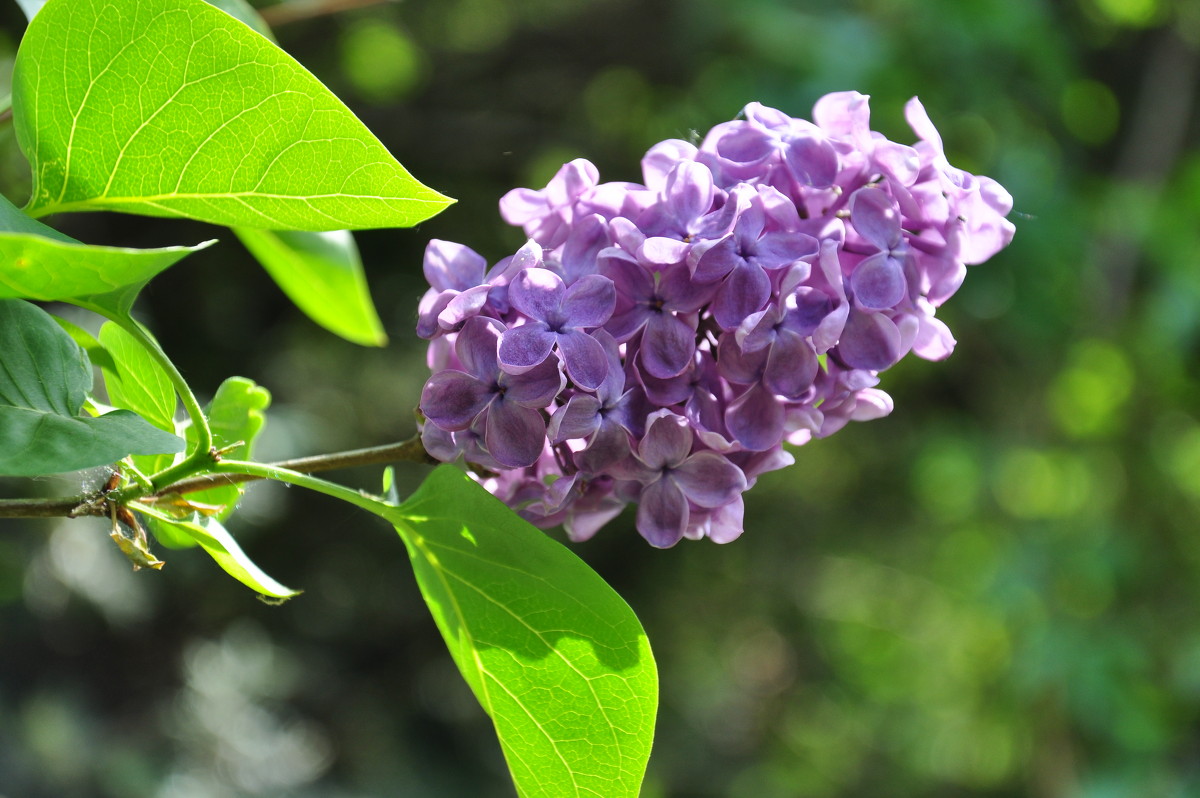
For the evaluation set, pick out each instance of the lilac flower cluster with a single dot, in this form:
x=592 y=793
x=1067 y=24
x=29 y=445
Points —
x=658 y=342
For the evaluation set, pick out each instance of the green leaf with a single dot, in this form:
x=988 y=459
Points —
x=44 y=379
x=245 y=13
x=323 y=274
x=222 y=547
x=557 y=659
x=38 y=262
x=87 y=342
x=236 y=414
x=137 y=383
x=174 y=108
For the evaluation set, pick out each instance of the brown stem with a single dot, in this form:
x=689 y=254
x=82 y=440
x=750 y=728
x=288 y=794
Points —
x=296 y=10
x=410 y=451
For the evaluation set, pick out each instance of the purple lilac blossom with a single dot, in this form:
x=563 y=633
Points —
x=659 y=343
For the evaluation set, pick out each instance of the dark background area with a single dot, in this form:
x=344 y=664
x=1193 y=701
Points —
x=993 y=592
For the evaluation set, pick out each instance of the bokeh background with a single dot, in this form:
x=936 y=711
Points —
x=993 y=592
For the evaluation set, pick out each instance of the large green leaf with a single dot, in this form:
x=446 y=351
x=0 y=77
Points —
x=38 y=262
x=137 y=382
x=174 y=108
x=222 y=547
x=323 y=274
x=555 y=656
x=44 y=379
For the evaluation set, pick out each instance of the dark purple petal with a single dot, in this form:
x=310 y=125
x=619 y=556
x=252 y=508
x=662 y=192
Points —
x=584 y=359
x=667 y=442
x=755 y=419
x=662 y=514
x=869 y=341
x=538 y=293
x=878 y=282
x=745 y=291
x=791 y=366
x=535 y=387
x=476 y=348
x=709 y=480
x=876 y=218
x=667 y=345
x=522 y=348
x=514 y=435
x=452 y=399
x=590 y=301
x=609 y=445
x=450 y=265
x=578 y=418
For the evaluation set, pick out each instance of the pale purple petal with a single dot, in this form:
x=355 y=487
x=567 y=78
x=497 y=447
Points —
x=755 y=419
x=515 y=435
x=476 y=348
x=709 y=480
x=462 y=307
x=725 y=522
x=869 y=341
x=522 y=348
x=812 y=160
x=538 y=293
x=428 y=310
x=876 y=218
x=590 y=301
x=667 y=442
x=450 y=265
x=662 y=251
x=584 y=359
x=609 y=445
x=878 y=282
x=745 y=291
x=613 y=386
x=535 y=387
x=667 y=345
x=662 y=514
x=791 y=366
x=452 y=399
x=578 y=418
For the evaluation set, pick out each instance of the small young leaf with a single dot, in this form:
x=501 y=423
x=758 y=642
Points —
x=223 y=548
x=44 y=379
x=323 y=274
x=236 y=414
x=557 y=659
x=137 y=382
x=221 y=125
x=38 y=262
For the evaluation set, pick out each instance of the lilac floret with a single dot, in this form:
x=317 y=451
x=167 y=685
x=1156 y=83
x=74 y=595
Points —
x=746 y=295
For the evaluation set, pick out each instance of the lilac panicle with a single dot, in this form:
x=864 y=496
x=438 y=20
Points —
x=658 y=343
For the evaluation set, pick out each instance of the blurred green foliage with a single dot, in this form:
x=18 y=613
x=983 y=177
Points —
x=993 y=592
